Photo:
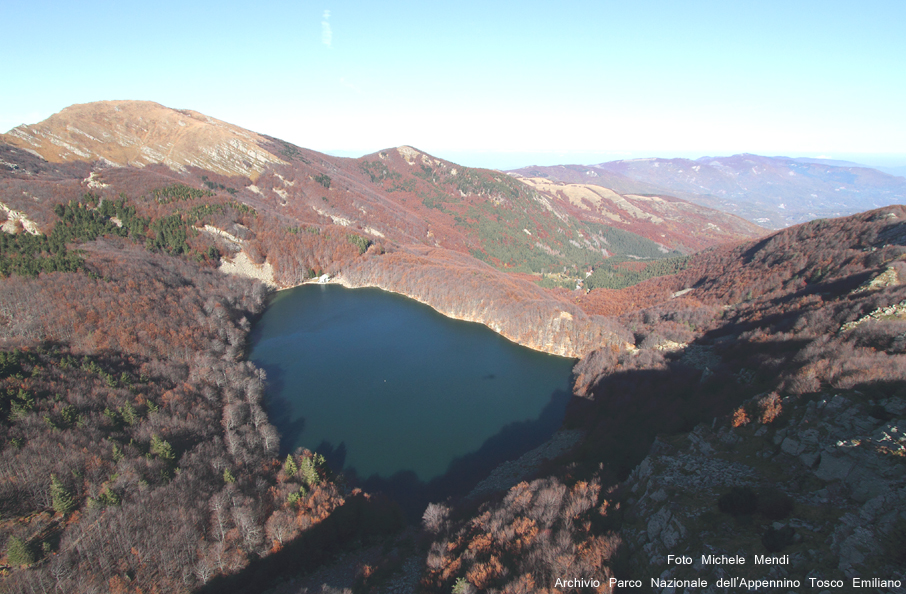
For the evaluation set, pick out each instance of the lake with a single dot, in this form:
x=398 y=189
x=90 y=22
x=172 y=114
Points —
x=390 y=390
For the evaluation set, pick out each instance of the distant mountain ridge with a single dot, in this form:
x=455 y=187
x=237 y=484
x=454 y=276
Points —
x=770 y=191
x=472 y=243
x=897 y=171
x=390 y=187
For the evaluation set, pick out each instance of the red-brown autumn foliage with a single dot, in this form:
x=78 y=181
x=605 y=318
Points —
x=538 y=532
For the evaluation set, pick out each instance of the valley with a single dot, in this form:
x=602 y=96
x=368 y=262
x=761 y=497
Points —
x=735 y=388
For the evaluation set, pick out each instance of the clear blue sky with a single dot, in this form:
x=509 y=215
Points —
x=485 y=82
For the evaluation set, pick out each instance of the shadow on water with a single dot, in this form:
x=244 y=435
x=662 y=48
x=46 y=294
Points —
x=354 y=327
x=368 y=519
x=464 y=472
x=280 y=408
x=334 y=456
x=371 y=518
x=404 y=487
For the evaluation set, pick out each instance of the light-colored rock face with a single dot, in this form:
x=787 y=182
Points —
x=888 y=278
x=408 y=153
x=15 y=218
x=241 y=265
x=140 y=133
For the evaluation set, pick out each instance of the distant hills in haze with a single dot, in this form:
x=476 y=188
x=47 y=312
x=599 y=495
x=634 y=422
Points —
x=899 y=171
x=773 y=192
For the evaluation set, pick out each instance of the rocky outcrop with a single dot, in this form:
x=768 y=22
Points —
x=896 y=311
x=839 y=459
x=462 y=288
x=16 y=217
x=241 y=265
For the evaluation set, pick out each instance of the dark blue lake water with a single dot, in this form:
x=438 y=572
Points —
x=387 y=388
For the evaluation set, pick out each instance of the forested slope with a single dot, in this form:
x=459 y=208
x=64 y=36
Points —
x=135 y=453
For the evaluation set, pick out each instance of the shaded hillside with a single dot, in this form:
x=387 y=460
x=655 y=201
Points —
x=134 y=452
x=813 y=282
x=805 y=370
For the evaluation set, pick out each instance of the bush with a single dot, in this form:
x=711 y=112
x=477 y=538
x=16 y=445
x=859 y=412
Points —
x=739 y=501
x=771 y=406
x=435 y=517
x=462 y=586
x=740 y=418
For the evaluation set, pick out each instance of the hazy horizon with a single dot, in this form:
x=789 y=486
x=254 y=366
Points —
x=508 y=160
x=504 y=160
x=591 y=81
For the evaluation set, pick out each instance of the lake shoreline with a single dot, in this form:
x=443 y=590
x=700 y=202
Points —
x=447 y=383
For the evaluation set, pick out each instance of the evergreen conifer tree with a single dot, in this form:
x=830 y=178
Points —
x=309 y=472
x=18 y=552
x=162 y=449
x=60 y=497
x=289 y=467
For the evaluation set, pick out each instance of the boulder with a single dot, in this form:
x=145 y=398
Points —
x=657 y=523
x=791 y=446
x=833 y=467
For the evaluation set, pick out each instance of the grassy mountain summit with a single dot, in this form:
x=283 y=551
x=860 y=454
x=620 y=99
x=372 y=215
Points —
x=140 y=133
